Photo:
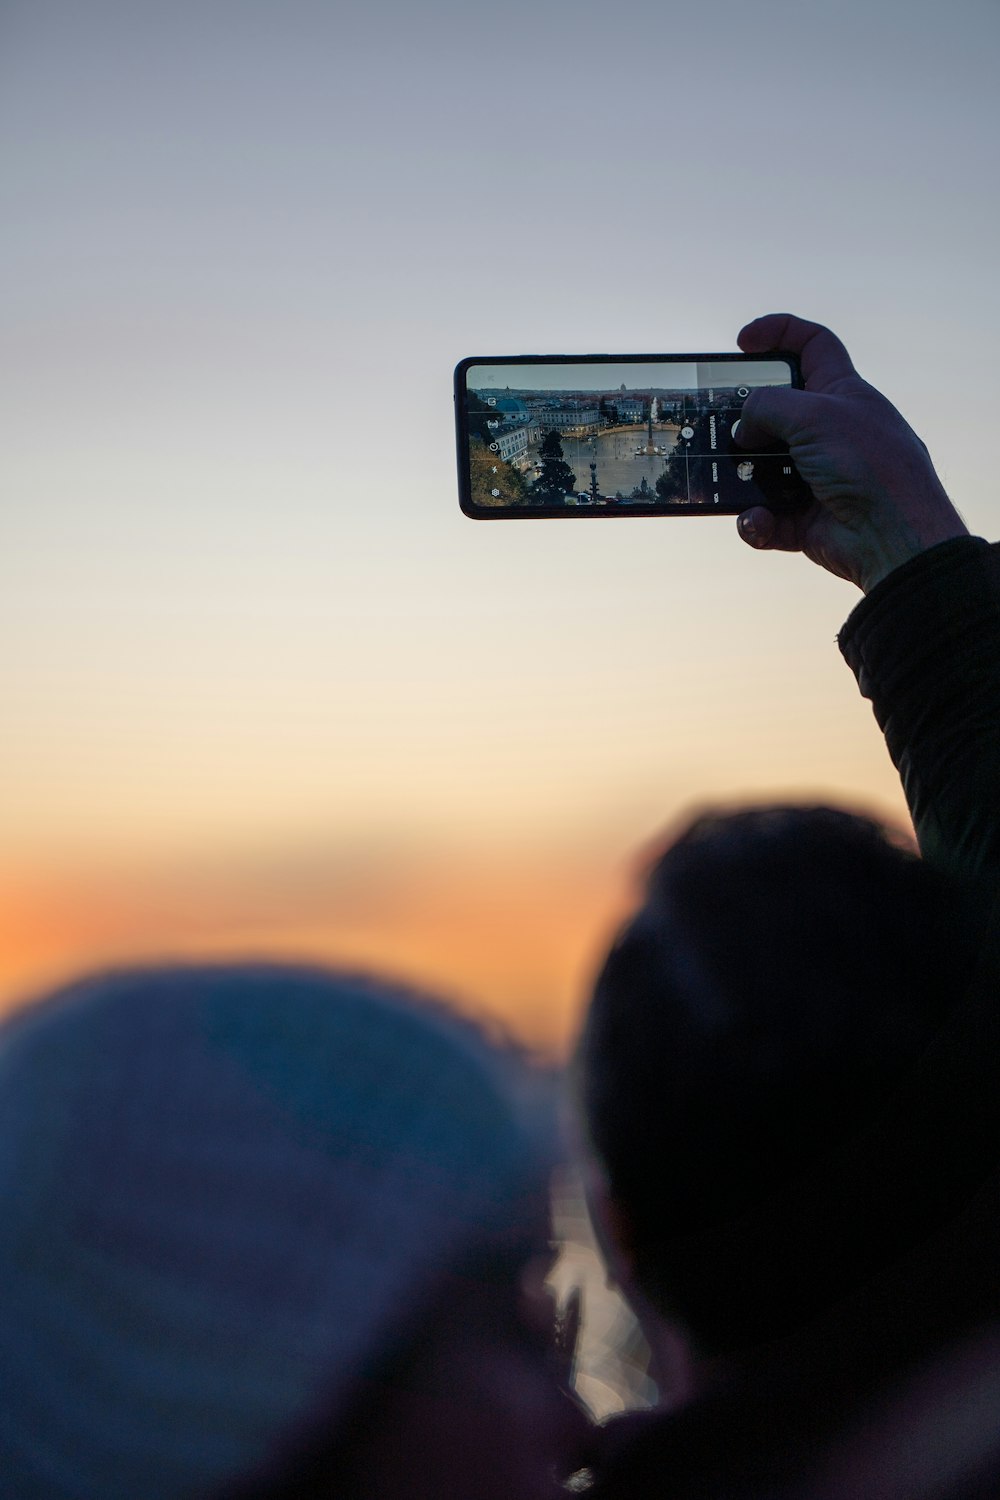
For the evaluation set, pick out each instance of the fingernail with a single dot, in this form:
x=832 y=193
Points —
x=748 y=530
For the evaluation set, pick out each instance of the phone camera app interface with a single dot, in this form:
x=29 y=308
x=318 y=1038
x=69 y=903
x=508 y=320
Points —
x=620 y=434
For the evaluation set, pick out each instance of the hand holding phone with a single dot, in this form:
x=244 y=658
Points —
x=876 y=500
x=618 y=434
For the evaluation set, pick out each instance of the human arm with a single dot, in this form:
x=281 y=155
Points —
x=925 y=648
x=877 y=501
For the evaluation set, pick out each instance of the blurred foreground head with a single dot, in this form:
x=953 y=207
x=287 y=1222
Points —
x=755 y=1019
x=246 y=1210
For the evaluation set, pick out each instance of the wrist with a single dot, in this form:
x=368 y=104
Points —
x=893 y=545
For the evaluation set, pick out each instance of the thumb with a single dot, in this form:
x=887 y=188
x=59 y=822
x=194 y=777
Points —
x=771 y=414
x=756 y=526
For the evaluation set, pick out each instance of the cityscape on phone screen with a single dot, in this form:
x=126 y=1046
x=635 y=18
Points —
x=619 y=435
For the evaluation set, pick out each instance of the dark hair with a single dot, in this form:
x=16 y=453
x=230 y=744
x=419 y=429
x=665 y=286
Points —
x=786 y=970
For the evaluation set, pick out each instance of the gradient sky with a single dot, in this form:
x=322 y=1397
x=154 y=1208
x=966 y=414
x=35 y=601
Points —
x=263 y=686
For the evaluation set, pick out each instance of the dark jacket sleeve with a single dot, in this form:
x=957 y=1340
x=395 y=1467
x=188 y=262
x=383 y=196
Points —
x=925 y=648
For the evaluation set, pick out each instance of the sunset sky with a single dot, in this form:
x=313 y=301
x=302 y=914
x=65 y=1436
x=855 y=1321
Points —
x=264 y=688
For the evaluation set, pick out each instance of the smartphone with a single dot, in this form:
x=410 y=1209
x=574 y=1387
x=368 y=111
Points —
x=617 y=435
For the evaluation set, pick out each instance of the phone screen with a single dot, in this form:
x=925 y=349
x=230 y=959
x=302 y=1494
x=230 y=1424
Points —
x=588 y=435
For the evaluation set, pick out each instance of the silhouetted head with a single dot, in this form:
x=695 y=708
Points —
x=786 y=970
x=233 y=1200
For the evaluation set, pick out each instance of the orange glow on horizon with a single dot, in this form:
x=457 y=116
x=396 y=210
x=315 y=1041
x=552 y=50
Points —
x=513 y=936
x=516 y=947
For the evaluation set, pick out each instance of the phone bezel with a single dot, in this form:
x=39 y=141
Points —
x=599 y=512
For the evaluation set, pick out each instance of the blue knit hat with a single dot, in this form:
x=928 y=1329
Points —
x=222 y=1189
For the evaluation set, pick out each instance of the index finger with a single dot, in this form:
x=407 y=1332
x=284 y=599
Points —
x=822 y=356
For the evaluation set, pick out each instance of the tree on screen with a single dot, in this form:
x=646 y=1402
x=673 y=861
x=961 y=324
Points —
x=489 y=473
x=557 y=479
